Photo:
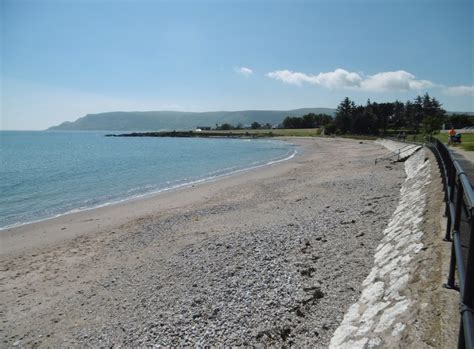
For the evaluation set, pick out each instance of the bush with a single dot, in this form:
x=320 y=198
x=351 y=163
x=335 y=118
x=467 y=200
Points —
x=330 y=129
x=256 y=125
x=226 y=127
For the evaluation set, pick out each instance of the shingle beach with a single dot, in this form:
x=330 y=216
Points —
x=271 y=256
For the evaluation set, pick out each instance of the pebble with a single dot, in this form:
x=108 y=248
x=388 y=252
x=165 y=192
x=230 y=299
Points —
x=279 y=283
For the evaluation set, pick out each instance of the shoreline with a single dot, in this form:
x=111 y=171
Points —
x=184 y=185
x=9 y=235
x=244 y=134
x=272 y=257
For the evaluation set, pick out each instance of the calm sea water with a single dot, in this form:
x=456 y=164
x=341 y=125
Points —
x=46 y=174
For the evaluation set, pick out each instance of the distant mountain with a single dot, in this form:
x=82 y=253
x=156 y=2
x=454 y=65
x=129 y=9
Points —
x=176 y=120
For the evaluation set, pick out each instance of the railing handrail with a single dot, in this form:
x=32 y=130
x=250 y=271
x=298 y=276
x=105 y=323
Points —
x=467 y=187
x=458 y=194
x=396 y=152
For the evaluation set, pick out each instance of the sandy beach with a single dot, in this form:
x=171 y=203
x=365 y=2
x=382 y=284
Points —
x=271 y=256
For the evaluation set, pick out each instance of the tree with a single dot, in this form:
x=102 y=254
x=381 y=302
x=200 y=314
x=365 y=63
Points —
x=423 y=113
x=431 y=124
x=226 y=127
x=410 y=115
x=293 y=122
x=310 y=120
x=330 y=128
x=417 y=114
x=383 y=113
x=364 y=120
x=324 y=119
x=344 y=113
x=460 y=120
x=255 y=125
x=433 y=114
x=398 y=119
x=436 y=108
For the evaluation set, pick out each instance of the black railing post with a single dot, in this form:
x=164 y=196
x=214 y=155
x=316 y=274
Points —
x=447 y=236
x=469 y=284
x=468 y=298
x=455 y=228
x=452 y=181
x=467 y=293
x=452 y=269
x=459 y=202
x=461 y=341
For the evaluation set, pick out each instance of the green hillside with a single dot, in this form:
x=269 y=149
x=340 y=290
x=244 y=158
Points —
x=175 y=120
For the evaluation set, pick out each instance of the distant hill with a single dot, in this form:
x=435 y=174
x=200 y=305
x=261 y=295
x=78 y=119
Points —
x=470 y=113
x=176 y=120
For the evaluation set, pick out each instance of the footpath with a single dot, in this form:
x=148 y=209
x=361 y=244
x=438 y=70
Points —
x=466 y=160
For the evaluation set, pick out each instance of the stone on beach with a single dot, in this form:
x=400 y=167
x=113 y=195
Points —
x=275 y=258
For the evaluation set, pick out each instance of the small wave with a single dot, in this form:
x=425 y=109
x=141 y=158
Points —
x=209 y=178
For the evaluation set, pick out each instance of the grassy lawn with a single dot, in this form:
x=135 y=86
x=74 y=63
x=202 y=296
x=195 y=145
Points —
x=305 y=132
x=467 y=140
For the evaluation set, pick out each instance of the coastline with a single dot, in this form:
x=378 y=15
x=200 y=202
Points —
x=212 y=177
x=71 y=186
x=242 y=259
x=72 y=224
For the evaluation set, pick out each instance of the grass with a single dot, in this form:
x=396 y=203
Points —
x=304 y=132
x=467 y=140
x=288 y=132
x=468 y=146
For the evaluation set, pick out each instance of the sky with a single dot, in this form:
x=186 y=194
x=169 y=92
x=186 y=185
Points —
x=61 y=60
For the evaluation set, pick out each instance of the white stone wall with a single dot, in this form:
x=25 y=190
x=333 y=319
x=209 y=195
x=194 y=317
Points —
x=382 y=312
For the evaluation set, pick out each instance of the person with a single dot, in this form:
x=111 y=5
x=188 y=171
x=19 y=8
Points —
x=452 y=135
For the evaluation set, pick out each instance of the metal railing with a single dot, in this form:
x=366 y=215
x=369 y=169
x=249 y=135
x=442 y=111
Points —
x=459 y=198
x=397 y=153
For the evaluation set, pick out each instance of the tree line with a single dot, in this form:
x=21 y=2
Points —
x=424 y=114
x=310 y=120
x=254 y=126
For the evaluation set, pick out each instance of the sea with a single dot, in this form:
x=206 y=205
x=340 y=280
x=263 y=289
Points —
x=45 y=174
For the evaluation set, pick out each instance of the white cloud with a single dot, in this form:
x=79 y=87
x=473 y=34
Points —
x=341 y=78
x=394 y=81
x=244 y=71
x=289 y=77
x=460 y=90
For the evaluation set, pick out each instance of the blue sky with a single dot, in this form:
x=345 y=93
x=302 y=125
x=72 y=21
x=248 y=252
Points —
x=64 y=59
